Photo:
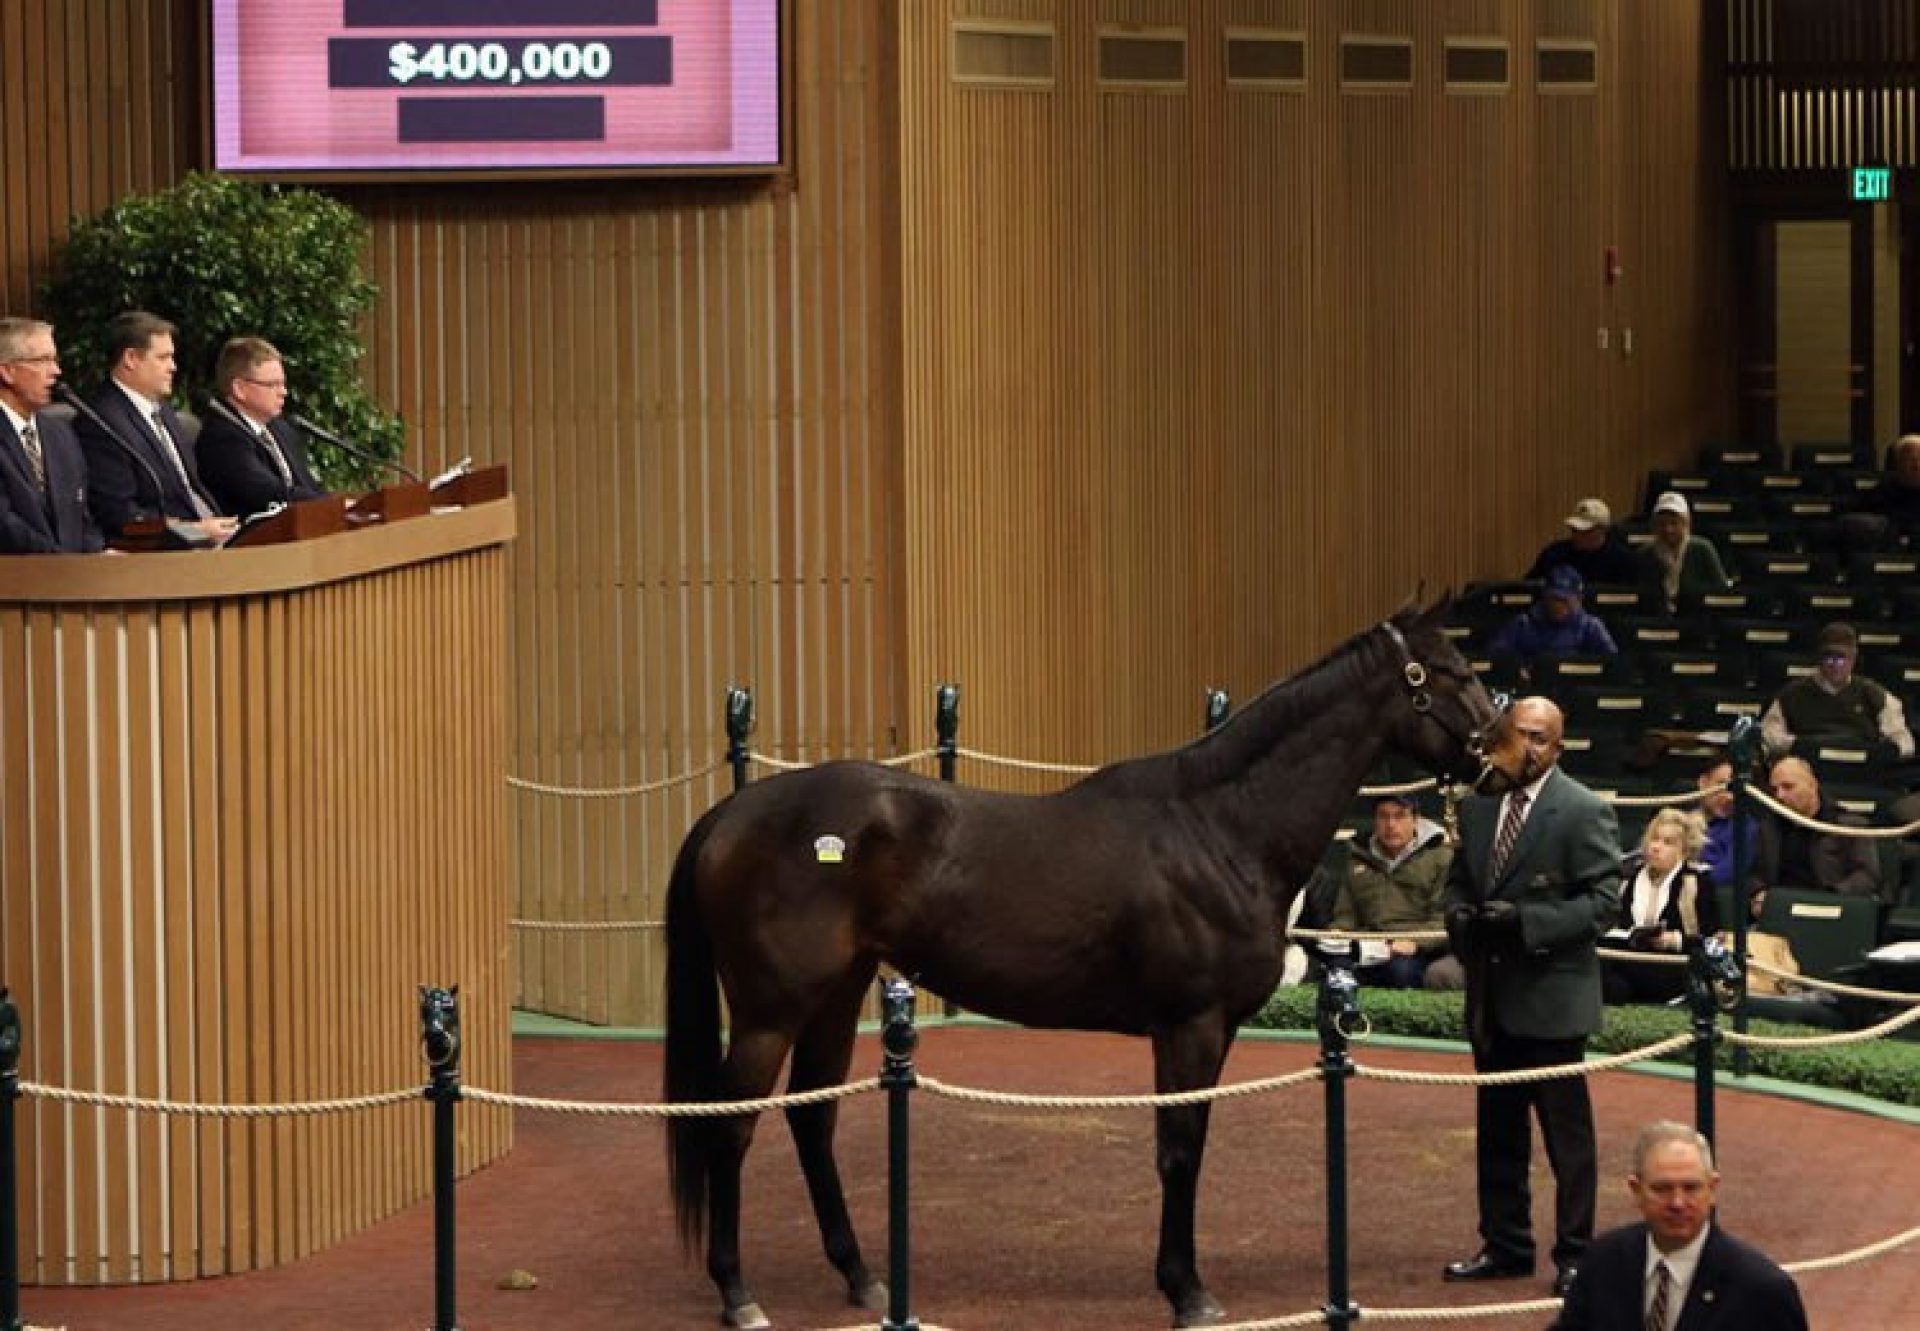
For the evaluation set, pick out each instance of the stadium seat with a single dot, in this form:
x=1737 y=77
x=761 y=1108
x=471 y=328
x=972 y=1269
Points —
x=1724 y=506
x=1754 y=602
x=1897 y=567
x=1812 y=510
x=1776 y=567
x=1713 y=709
x=1829 y=457
x=1553 y=673
x=1721 y=668
x=1831 y=934
x=1814 y=604
x=1739 y=456
x=1731 y=537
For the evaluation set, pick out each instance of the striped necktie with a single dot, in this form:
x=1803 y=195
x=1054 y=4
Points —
x=1509 y=833
x=1657 y=1305
x=201 y=508
x=36 y=463
x=272 y=445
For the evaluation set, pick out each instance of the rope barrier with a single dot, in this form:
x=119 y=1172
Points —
x=1521 y=1076
x=1866 y=1253
x=1170 y=1100
x=585 y=926
x=1835 y=829
x=101 y=1100
x=1831 y=986
x=685 y=1109
x=1838 y=1038
x=1026 y=764
x=613 y=792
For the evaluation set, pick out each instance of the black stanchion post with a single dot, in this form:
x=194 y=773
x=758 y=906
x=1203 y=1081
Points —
x=9 y=1185
x=1743 y=751
x=946 y=728
x=739 y=727
x=1218 y=706
x=1338 y=1012
x=440 y=1040
x=1710 y=968
x=898 y=1039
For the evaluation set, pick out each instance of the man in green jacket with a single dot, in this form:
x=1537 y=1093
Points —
x=1395 y=881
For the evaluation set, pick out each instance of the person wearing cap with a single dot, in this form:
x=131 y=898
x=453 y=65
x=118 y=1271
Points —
x=1556 y=624
x=1676 y=562
x=1394 y=882
x=1835 y=706
x=1593 y=547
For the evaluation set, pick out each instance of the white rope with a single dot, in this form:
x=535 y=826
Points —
x=1026 y=764
x=685 y=1109
x=1465 y=1313
x=1520 y=1076
x=100 y=1100
x=1834 y=829
x=777 y=764
x=1835 y=1040
x=789 y=765
x=585 y=926
x=1172 y=1099
x=1831 y=986
x=1879 y=1249
x=1677 y=797
x=612 y=792
x=1405 y=788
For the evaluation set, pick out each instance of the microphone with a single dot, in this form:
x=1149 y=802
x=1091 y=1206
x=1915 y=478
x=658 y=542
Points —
x=306 y=426
x=188 y=536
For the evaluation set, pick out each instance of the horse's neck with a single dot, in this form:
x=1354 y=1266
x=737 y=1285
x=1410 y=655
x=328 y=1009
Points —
x=1299 y=758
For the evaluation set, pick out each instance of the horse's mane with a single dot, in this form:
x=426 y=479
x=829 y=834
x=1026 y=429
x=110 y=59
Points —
x=1287 y=707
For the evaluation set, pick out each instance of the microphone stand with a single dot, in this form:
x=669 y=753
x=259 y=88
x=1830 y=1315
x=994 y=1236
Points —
x=307 y=427
x=169 y=534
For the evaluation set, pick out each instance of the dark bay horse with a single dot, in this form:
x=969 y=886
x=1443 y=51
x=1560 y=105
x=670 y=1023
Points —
x=1148 y=899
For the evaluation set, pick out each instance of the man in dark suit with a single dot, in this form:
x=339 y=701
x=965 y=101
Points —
x=134 y=406
x=1535 y=883
x=1678 y=1271
x=43 y=474
x=251 y=458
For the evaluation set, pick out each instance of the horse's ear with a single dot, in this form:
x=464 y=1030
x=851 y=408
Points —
x=1438 y=613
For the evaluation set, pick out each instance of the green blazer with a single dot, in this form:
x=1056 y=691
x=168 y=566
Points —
x=1564 y=875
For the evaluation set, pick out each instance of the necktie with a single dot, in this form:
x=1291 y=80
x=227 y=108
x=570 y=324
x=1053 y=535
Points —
x=30 y=441
x=201 y=508
x=272 y=445
x=1657 y=1305
x=1509 y=833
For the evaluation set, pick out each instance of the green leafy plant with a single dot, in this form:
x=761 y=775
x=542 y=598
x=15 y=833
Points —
x=1885 y=1069
x=226 y=258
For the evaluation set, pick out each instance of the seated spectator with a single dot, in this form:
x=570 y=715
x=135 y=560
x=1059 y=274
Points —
x=1394 y=881
x=1592 y=547
x=1888 y=514
x=1667 y=903
x=1835 y=706
x=1556 y=624
x=1717 y=852
x=1675 y=561
x=1799 y=857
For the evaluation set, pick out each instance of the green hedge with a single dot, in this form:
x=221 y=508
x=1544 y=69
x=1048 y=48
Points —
x=1886 y=1069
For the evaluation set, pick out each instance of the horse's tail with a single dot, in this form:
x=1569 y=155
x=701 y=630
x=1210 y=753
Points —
x=693 y=1038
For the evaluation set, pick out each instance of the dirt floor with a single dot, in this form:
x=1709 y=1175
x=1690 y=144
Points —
x=1031 y=1219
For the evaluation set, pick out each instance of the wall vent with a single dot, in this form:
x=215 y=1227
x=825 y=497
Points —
x=1563 y=65
x=1266 y=59
x=1375 y=64
x=1004 y=55
x=1478 y=65
x=1143 y=58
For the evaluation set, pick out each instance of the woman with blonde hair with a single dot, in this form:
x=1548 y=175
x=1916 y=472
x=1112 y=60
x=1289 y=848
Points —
x=1667 y=904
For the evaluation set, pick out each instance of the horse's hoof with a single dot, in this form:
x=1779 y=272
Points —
x=1201 y=1310
x=747 y=1317
x=871 y=1296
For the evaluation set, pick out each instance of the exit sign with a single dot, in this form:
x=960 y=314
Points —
x=1872 y=184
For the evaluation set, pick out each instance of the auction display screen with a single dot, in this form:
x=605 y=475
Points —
x=474 y=85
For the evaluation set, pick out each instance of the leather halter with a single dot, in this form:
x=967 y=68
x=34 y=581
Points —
x=1416 y=677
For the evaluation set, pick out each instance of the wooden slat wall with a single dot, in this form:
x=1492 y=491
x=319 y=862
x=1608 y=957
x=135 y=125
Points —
x=233 y=844
x=1084 y=399
x=1201 y=382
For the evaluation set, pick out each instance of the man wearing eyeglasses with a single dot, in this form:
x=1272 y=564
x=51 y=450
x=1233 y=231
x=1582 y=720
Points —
x=249 y=455
x=149 y=444
x=1837 y=708
x=43 y=473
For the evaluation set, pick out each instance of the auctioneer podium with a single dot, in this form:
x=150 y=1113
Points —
x=253 y=798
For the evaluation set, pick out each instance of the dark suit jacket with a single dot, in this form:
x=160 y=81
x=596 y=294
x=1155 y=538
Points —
x=56 y=522
x=122 y=490
x=235 y=465
x=1564 y=876
x=1845 y=864
x=1735 y=1288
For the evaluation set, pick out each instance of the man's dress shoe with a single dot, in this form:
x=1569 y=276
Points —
x=1563 y=1280
x=1485 y=1266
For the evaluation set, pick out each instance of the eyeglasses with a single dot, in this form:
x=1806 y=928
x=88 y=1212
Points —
x=49 y=359
x=1835 y=658
x=272 y=385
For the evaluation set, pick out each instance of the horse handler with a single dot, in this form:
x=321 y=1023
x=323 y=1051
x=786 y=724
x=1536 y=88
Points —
x=1535 y=883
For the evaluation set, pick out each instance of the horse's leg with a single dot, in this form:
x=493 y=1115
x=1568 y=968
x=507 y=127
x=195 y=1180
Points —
x=752 y=1064
x=821 y=1057
x=1185 y=1058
